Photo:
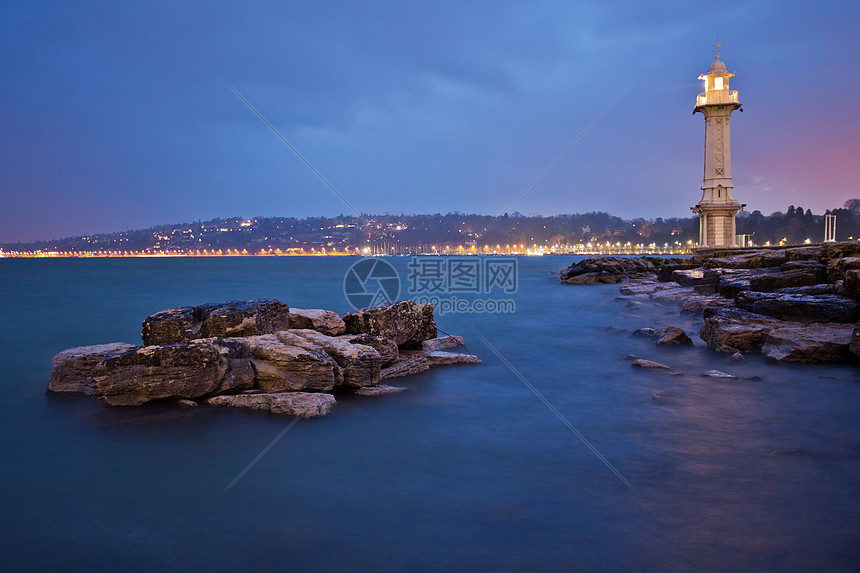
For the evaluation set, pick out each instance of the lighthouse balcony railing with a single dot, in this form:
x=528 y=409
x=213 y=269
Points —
x=717 y=97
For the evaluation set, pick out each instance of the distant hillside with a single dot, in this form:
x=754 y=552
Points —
x=400 y=234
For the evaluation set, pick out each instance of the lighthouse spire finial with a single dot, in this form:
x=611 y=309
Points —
x=717 y=47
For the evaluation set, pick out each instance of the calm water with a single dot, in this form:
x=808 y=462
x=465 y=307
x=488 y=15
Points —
x=467 y=470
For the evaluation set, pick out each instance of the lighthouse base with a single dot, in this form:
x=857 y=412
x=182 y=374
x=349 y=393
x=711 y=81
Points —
x=717 y=225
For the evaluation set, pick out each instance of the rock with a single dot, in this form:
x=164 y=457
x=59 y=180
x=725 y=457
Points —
x=706 y=287
x=302 y=404
x=799 y=308
x=803 y=253
x=405 y=322
x=170 y=326
x=851 y=282
x=324 y=321
x=228 y=319
x=240 y=374
x=836 y=268
x=644 y=333
x=642 y=363
x=380 y=390
x=406 y=366
x=793 y=278
x=673 y=295
x=854 y=346
x=737 y=357
x=155 y=372
x=667 y=272
x=427 y=329
x=243 y=318
x=386 y=347
x=717 y=374
x=688 y=277
x=830 y=251
x=443 y=343
x=283 y=367
x=631 y=357
x=442 y=358
x=823 y=288
x=804 y=265
x=187 y=403
x=672 y=335
x=809 y=343
x=696 y=304
x=594 y=278
x=644 y=286
x=730 y=282
x=72 y=369
x=748 y=260
x=360 y=364
x=609 y=270
x=735 y=330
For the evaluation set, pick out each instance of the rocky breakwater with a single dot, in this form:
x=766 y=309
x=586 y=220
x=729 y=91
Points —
x=794 y=304
x=261 y=355
x=612 y=270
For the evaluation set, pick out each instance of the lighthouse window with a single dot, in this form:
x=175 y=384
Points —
x=718 y=83
x=718 y=192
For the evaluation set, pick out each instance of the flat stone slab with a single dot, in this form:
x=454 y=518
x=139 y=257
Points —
x=800 y=308
x=380 y=390
x=442 y=358
x=646 y=287
x=301 y=404
x=717 y=374
x=810 y=343
x=676 y=295
x=443 y=343
x=688 y=277
x=748 y=260
x=642 y=363
x=406 y=366
x=696 y=304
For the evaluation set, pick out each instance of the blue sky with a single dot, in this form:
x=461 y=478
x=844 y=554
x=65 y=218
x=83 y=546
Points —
x=117 y=116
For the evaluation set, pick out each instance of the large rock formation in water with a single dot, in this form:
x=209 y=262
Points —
x=260 y=355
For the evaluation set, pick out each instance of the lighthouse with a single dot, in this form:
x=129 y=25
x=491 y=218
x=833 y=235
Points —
x=718 y=207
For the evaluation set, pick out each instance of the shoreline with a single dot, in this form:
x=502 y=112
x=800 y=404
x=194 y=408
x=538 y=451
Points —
x=792 y=305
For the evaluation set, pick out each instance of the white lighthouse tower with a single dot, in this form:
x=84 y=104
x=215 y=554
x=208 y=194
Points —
x=718 y=207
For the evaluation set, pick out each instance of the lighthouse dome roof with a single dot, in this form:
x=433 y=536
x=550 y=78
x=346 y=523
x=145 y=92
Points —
x=717 y=67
